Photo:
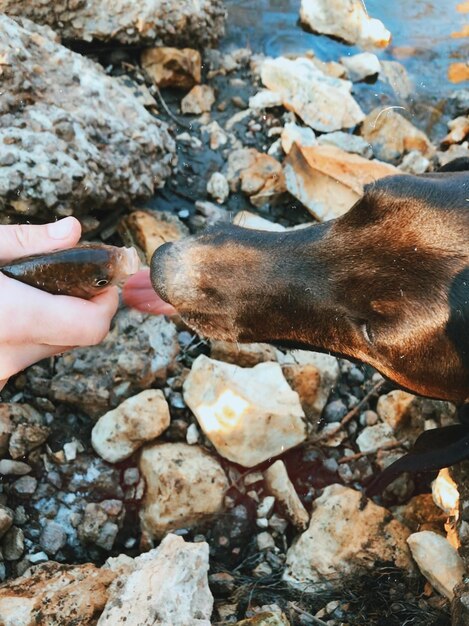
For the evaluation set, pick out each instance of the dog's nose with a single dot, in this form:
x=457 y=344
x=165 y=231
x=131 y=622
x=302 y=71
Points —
x=159 y=269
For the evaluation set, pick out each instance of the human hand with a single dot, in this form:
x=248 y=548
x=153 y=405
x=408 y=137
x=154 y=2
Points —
x=34 y=324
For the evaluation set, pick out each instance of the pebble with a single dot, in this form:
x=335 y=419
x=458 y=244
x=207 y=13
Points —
x=53 y=538
x=218 y=187
x=334 y=411
x=13 y=544
x=25 y=486
x=265 y=541
x=266 y=507
x=16 y=468
x=192 y=434
x=6 y=519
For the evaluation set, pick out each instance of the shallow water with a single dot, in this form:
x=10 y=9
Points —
x=422 y=36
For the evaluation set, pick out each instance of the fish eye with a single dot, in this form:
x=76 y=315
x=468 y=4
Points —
x=101 y=282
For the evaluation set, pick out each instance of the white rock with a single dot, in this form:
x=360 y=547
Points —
x=199 y=100
x=249 y=414
x=218 y=188
x=322 y=102
x=312 y=375
x=347 y=142
x=374 y=437
x=279 y=485
x=438 y=561
x=346 y=19
x=292 y=133
x=266 y=507
x=192 y=435
x=168 y=586
x=265 y=541
x=184 y=486
x=246 y=219
x=361 y=66
x=414 y=163
x=265 y=99
x=344 y=537
x=123 y=430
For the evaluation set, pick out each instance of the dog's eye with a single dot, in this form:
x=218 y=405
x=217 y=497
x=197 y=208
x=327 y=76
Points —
x=367 y=332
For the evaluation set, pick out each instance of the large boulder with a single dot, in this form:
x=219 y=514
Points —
x=73 y=139
x=175 y=22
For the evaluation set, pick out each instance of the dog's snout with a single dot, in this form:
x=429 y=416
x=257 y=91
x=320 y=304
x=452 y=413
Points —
x=159 y=264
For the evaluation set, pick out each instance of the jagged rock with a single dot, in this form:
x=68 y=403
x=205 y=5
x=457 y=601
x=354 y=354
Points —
x=302 y=135
x=454 y=152
x=200 y=99
x=345 y=536
x=396 y=75
x=329 y=181
x=265 y=99
x=136 y=353
x=171 y=67
x=438 y=561
x=13 y=544
x=361 y=66
x=24 y=428
x=279 y=485
x=62 y=155
x=185 y=486
x=393 y=408
x=346 y=19
x=249 y=414
x=55 y=594
x=53 y=537
x=246 y=219
x=122 y=431
x=459 y=129
x=148 y=230
x=322 y=102
x=242 y=354
x=347 y=142
x=166 y=586
x=173 y=22
x=392 y=136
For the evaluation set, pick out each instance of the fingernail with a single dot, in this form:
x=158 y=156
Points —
x=60 y=229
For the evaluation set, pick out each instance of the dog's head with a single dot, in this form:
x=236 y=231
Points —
x=387 y=284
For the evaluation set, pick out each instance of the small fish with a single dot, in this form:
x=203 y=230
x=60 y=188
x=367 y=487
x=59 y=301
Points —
x=82 y=272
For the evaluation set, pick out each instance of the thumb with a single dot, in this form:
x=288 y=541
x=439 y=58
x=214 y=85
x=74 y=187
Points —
x=25 y=239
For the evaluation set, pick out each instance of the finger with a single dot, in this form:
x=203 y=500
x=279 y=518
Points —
x=138 y=293
x=31 y=316
x=21 y=240
x=16 y=358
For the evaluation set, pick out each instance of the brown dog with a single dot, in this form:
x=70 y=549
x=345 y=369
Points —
x=386 y=284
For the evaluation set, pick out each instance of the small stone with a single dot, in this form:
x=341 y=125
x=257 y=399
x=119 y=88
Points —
x=278 y=524
x=37 y=557
x=122 y=431
x=265 y=541
x=222 y=583
x=438 y=561
x=246 y=219
x=414 y=163
x=200 y=99
x=279 y=485
x=266 y=507
x=334 y=411
x=25 y=486
x=393 y=408
x=53 y=538
x=13 y=544
x=374 y=437
x=262 y=522
x=173 y=67
x=131 y=476
x=101 y=523
x=6 y=519
x=15 y=468
x=362 y=65
x=261 y=570
x=218 y=188
x=244 y=354
x=201 y=486
x=192 y=435
x=370 y=418
x=71 y=449
x=249 y=414
x=265 y=99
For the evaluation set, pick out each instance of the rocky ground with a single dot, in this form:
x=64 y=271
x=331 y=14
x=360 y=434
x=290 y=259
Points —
x=151 y=452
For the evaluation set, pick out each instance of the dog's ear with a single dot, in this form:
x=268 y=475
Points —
x=460 y=164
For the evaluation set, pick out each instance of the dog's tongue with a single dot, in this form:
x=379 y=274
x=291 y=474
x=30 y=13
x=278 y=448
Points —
x=139 y=294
